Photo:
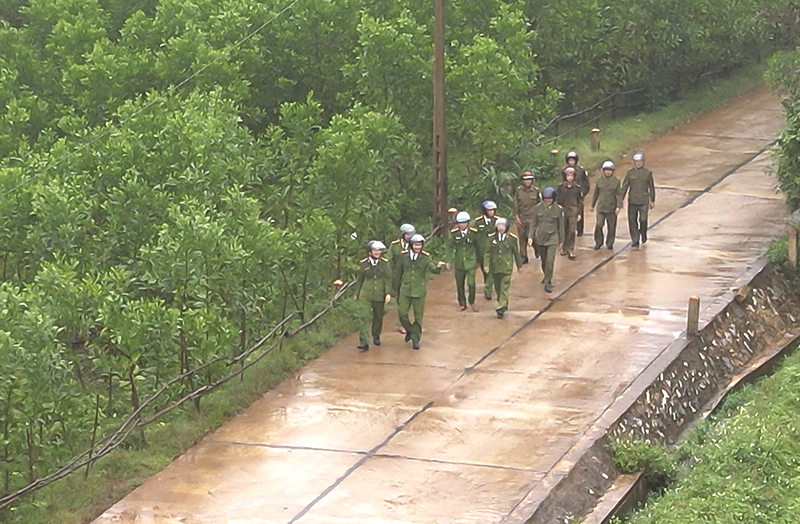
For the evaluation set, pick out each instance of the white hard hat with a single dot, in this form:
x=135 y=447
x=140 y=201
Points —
x=407 y=229
x=489 y=204
x=376 y=245
x=501 y=221
x=638 y=157
x=462 y=217
x=416 y=238
x=608 y=164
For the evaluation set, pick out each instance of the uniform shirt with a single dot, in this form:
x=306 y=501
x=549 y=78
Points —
x=374 y=280
x=639 y=181
x=570 y=198
x=463 y=248
x=395 y=248
x=485 y=227
x=411 y=278
x=581 y=179
x=547 y=226
x=607 y=195
x=525 y=201
x=502 y=253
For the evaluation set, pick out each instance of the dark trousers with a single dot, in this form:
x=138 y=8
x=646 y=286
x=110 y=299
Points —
x=579 y=227
x=548 y=259
x=465 y=276
x=602 y=220
x=569 y=234
x=404 y=305
x=522 y=232
x=371 y=314
x=637 y=222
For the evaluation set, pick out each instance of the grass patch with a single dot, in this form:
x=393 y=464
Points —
x=743 y=463
x=75 y=500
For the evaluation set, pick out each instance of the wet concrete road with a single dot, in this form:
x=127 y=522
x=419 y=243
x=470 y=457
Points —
x=465 y=429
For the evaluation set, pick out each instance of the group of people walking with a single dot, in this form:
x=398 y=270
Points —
x=548 y=222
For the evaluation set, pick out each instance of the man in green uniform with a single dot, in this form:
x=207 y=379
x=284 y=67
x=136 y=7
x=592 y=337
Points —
x=373 y=288
x=395 y=249
x=485 y=226
x=525 y=200
x=639 y=180
x=411 y=282
x=547 y=231
x=502 y=252
x=607 y=198
x=570 y=197
x=464 y=258
x=581 y=180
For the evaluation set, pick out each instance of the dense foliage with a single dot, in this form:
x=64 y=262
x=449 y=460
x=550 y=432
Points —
x=743 y=465
x=167 y=196
x=783 y=75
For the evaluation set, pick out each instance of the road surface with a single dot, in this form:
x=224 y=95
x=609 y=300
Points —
x=462 y=431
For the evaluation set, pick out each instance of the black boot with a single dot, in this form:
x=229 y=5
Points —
x=376 y=341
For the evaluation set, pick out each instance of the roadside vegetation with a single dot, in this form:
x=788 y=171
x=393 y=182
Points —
x=741 y=465
x=171 y=190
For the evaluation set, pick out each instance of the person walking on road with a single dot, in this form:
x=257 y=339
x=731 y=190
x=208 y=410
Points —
x=569 y=196
x=502 y=252
x=373 y=290
x=547 y=232
x=397 y=247
x=581 y=180
x=411 y=282
x=525 y=200
x=485 y=224
x=607 y=199
x=464 y=258
x=642 y=197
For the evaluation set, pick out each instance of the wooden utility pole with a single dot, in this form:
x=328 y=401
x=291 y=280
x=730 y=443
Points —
x=439 y=131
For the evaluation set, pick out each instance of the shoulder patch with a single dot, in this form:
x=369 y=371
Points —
x=403 y=252
x=363 y=260
x=396 y=241
x=455 y=229
x=473 y=229
x=492 y=234
x=384 y=259
x=426 y=253
x=513 y=235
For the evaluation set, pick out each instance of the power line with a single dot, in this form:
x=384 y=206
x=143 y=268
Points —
x=157 y=99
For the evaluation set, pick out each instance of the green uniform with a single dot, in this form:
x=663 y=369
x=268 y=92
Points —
x=581 y=180
x=607 y=198
x=525 y=201
x=393 y=255
x=502 y=252
x=570 y=198
x=464 y=259
x=374 y=282
x=395 y=248
x=485 y=227
x=547 y=232
x=639 y=181
x=411 y=282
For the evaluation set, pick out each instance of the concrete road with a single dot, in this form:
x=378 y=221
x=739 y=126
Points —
x=463 y=430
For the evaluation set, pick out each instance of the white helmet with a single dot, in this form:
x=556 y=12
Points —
x=462 y=217
x=416 y=238
x=608 y=164
x=376 y=245
x=407 y=229
x=489 y=204
x=638 y=157
x=501 y=222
